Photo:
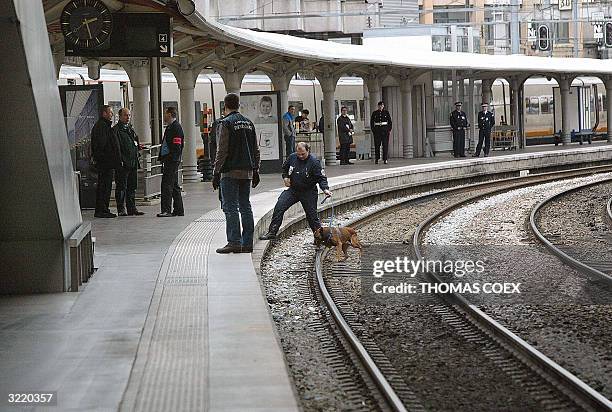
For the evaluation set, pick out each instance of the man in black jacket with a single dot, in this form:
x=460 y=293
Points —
x=486 y=121
x=301 y=173
x=458 y=122
x=105 y=154
x=345 y=134
x=126 y=177
x=170 y=155
x=381 y=124
x=236 y=164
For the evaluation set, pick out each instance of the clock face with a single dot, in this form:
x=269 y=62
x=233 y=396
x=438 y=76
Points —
x=86 y=23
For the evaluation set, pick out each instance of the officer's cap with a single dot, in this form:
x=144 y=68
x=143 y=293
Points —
x=381 y=102
x=484 y=104
x=458 y=103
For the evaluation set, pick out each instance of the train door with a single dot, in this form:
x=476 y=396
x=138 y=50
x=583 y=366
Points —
x=574 y=120
x=584 y=107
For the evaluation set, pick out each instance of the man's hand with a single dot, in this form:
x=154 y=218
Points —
x=216 y=181
x=327 y=192
x=287 y=182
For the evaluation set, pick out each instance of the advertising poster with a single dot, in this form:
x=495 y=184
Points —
x=263 y=109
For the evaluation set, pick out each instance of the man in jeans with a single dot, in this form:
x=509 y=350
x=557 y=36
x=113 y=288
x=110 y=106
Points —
x=236 y=164
x=170 y=156
x=289 y=130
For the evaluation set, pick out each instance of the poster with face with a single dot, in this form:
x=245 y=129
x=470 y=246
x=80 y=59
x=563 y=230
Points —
x=262 y=108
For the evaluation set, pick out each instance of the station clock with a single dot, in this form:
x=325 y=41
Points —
x=86 y=24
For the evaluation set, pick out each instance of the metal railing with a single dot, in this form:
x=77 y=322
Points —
x=150 y=173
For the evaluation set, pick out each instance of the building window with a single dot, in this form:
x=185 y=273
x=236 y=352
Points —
x=562 y=32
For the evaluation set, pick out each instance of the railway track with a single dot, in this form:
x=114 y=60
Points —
x=527 y=364
x=597 y=270
x=609 y=209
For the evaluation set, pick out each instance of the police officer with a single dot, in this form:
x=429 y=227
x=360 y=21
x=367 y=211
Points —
x=170 y=155
x=126 y=176
x=458 y=122
x=301 y=173
x=345 y=134
x=486 y=121
x=380 y=124
x=105 y=154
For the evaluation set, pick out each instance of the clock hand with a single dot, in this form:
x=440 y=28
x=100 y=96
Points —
x=89 y=31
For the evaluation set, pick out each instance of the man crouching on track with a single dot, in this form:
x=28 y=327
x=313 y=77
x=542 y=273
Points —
x=301 y=173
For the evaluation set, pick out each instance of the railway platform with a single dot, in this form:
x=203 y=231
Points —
x=167 y=324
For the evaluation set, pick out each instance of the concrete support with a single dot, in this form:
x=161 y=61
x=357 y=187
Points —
x=328 y=86
x=232 y=81
x=454 y=88
x=515 y=86
x=186 y=79
x=461 y=89
x=608 y=83
x=486 y=90
x=374 y=96
x=471 y=112
x=138 y=72
x=281 y=81
x=406 y=84
x=564 y=86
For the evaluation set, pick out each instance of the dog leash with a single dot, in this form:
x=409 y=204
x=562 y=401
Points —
x=331 y=217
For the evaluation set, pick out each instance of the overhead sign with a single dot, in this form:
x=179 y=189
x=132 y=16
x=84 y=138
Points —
x=565 y=4
x=532 y=32
x=134 y=35
x=598 y=31
x=597 y=16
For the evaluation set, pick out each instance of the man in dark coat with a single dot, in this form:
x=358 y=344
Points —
x=126 y=178
x=381 y=124
x=486 y=121
x=170 y=155
x=106 y=156
x=345 y=135
x=458 y=122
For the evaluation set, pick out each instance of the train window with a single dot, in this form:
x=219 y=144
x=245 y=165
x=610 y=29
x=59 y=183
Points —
x=351 y=105
x=544 y=105
x=604 y=101
x=533 y=105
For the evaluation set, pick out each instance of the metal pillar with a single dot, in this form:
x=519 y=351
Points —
x=138 y=72
x=328 y=86
x=186 y=79
x=608 y=84
x=471 y=114
x=564 y=86
x=515 y=37
x=406 y=84
x=156 y=104
x=515 y=85
x=454 y=82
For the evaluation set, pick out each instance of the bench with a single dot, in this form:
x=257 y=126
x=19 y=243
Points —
x=81 y=245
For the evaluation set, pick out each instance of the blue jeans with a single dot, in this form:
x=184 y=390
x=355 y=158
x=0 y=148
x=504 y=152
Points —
x=235 y=199
x=289 y=145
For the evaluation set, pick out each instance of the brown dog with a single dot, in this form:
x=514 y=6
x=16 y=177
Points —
x=339 y=237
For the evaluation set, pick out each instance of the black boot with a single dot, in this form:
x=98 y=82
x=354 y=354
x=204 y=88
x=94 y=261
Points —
x=230 y=248
x=270 y=235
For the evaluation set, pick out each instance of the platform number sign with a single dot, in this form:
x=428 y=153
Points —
x=598 y=31
x=543 y=37
x=163 y=43
x=565 y=4
x=532 y=32
x=608 y=41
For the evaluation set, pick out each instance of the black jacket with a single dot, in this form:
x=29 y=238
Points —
x=381 y=116
x=242 y=145
x=486 y=121
x=128 y=144
x=304 y=174
x=345 y=126
x=104 y=145
x=172 y=142
x=458 y=120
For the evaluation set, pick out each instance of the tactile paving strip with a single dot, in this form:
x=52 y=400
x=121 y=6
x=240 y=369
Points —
x=175 y=365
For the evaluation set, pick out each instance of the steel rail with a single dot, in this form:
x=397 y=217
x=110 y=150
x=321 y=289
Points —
x=564 y=257
x=577 y=390
x=609 y=209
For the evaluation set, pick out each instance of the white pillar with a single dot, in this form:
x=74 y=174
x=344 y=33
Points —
x=564 y=86
x=374 y=95
x=328 y=86
x=406 y=84
x=281 y=82
x=471 y=112
x=138 y=72
x=486 y=91
x=232 y=81
x=454 y=89
x=186 y=79
x=609 y=108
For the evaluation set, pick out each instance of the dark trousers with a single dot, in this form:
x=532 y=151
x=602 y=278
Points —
x=345 y=150
x=459 y=143
x=126 y=180
x=103 y=191
x=483 y=136
x=170 y=190
x=288 y=198
x=289 y=145
x=381 y=138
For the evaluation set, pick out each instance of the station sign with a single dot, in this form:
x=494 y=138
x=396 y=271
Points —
x=565 y=4
x=532 y=32
x=598 y=33
x=133 y=35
